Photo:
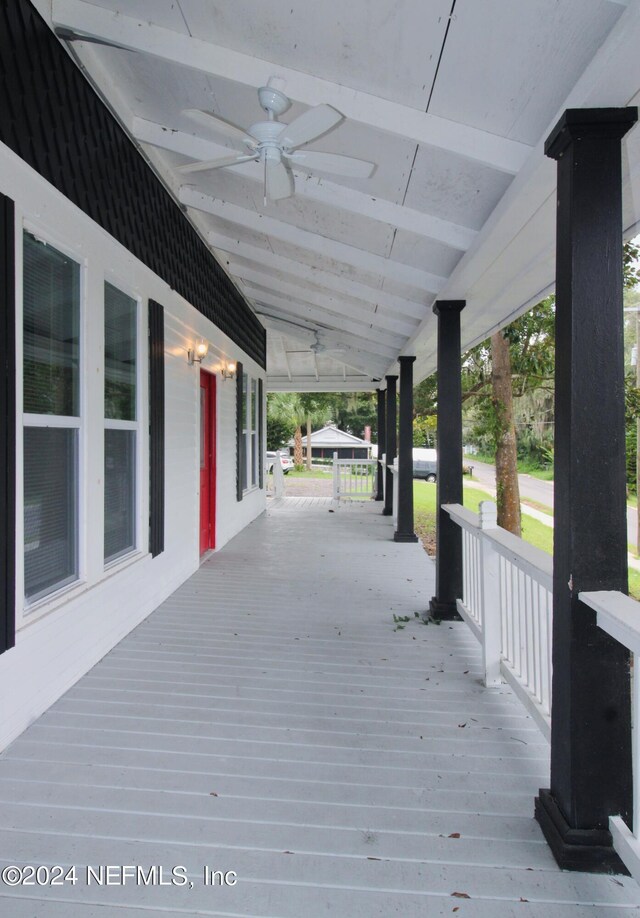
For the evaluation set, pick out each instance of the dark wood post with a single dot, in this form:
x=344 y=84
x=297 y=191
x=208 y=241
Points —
x=448 y=535
x=404 y=525
x=390 y=443
x=382 y=423
x=591 y=775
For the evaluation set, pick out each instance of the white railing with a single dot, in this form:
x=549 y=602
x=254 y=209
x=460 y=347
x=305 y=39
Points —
x=354 y=478
x=394 y=495
x=507 y=602
x=619 y=616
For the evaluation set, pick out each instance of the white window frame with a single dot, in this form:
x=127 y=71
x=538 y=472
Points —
x=67 y=422
x=250 y=430
x=115 y=424
x=99 y=263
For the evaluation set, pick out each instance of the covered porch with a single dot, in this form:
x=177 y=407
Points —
x=268 y=720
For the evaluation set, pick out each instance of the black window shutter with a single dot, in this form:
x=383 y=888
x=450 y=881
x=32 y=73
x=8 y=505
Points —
x=156 y=428
x=239 y=433
x=260 y=433
x=7 y=425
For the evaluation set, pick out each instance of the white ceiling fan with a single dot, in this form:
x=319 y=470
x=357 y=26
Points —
x=276 y=144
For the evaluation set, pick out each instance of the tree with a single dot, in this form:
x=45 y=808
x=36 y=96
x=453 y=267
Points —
x=317 y=406
x=288 y=410
x=507 y=486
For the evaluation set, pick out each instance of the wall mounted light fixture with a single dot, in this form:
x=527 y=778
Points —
x=229 y=369
x=200 y=351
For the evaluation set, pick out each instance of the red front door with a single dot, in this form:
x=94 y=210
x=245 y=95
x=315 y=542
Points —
x=207 y=461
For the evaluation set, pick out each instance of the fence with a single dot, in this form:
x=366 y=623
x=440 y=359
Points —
x=507 y=602
x=354 y=479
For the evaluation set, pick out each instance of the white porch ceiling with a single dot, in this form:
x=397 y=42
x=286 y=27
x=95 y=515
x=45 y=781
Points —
x=452 y=99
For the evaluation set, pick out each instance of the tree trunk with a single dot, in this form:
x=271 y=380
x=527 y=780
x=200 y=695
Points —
x=297 y=447
x=309 y=442
x=508 y=490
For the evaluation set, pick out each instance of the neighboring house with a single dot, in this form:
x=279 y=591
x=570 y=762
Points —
x=330 y=440
x=121 y=462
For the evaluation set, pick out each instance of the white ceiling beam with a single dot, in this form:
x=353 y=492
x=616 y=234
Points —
x=325 y=384
x=312 y=242
x=362 y=361
x=400 y=312
x=316 y=189
x=396 y=331
x=278 y=345
x=611 y=79
x=86 y=19
x=341 y=315
x=354 y=333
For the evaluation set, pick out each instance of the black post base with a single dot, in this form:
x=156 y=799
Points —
x=589 y=850
x=446 y=611
x=404 y=537
x=387 y=511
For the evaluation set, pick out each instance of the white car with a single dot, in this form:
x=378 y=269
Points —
x=285 y=461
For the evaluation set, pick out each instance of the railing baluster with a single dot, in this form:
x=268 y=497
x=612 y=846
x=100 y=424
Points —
x=507 y=599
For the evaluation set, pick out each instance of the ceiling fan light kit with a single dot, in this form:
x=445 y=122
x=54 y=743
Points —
x=275 y=145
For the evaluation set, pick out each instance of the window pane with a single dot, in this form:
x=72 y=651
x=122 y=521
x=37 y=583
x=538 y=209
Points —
x=50 y=509
x=120 y=313
x=119 y=492
x=51 y=330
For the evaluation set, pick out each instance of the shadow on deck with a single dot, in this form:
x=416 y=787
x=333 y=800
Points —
x=268 y=720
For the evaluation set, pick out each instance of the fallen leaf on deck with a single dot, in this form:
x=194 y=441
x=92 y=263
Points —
x=454 y=835
x=459 y=895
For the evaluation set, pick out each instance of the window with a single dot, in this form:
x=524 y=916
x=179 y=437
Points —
x=250 y=426
x=121 y=426
x=51 y=406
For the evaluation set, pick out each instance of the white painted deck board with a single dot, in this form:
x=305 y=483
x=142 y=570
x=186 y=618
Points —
x=267 y=719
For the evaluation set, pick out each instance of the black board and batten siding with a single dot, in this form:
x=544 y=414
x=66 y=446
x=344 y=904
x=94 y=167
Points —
x=8 y=424
x=54 y=120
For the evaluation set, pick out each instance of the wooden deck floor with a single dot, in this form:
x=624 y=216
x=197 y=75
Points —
x=268 y=720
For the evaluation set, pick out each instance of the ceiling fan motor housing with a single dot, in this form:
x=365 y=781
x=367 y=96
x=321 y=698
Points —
x=273 y=101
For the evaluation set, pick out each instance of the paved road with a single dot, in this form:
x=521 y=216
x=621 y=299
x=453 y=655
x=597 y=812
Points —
x=530 y=487
x=541 y=491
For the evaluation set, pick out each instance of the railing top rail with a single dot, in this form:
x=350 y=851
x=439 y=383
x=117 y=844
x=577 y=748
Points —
x=355 y=461
x=531 y=559
x=618 y=615
x=463 y=517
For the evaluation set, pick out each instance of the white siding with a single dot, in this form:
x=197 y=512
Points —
x=60 y=640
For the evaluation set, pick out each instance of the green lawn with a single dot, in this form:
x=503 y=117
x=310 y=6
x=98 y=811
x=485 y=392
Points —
x=533 y=531
x=314 y=473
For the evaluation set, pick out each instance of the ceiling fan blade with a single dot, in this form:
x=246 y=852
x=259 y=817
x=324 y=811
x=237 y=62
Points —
x=332 y=162
x=311 y=124
x=279 y=181
x=215 y=163
x=220 y=126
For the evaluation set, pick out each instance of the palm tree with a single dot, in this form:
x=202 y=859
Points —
x=288 y=409
x=295 y=410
